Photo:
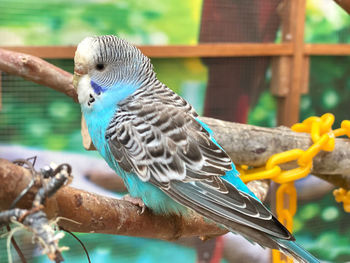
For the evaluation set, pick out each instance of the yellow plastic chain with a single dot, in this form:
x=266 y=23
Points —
x=323 y=138
x=342 y=195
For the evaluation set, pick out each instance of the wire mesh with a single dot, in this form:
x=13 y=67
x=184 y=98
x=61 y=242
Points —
x=38 y=116
x=239 y=21
x=329 y=88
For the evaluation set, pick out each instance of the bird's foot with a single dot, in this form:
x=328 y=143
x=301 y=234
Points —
x=136 y=201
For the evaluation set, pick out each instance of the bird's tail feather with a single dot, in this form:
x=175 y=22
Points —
x=297 y=252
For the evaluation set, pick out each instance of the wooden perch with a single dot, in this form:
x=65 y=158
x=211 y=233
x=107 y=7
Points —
x=99 y=214
x=252 y=145
x=246 y=144
x=345 y=4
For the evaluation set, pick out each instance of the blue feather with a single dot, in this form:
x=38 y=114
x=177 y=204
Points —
x=152 y=196
x=97 y=122
x=97 y=88
x=231 y=176
x=298 y=251
x=105 y=106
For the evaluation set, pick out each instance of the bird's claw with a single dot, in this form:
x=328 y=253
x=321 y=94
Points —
x=136 y=201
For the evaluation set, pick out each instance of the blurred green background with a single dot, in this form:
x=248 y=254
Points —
x=33 y=115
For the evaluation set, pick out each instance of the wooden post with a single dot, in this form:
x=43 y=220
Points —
x=290 y=74
x=288 y=89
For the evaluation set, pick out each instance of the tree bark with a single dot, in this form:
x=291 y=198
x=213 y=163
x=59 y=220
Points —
x=252 y=145
x=88 y=212
x=93 y=213
x=345 y=4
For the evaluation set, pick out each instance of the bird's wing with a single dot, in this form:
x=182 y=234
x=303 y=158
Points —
x=164 y=144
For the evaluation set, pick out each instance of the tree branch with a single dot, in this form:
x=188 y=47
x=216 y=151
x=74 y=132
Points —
x=95 y=213
x=345 y=4
x=37 y=70
x=246 y=144
x=252 y=145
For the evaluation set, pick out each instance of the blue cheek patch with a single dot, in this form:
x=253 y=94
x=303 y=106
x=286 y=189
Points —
x=97 y=88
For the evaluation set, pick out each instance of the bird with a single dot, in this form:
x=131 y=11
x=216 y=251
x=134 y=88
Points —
x=167 y=157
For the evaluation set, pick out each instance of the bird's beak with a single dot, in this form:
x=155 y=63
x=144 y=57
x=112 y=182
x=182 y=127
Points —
x=79 y=71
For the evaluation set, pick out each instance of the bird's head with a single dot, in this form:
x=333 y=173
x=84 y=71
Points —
x=107 y=63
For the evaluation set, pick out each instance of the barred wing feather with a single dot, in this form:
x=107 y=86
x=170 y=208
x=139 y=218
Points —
x=157 y=136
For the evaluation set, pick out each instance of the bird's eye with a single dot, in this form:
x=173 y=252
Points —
x=100 y=66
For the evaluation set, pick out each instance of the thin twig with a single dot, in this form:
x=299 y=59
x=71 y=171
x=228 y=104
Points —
x=80 y=242
x=30 y=166
x=34 y=219
x=15 y=245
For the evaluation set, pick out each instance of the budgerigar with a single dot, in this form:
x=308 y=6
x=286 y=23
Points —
x=166 y=156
